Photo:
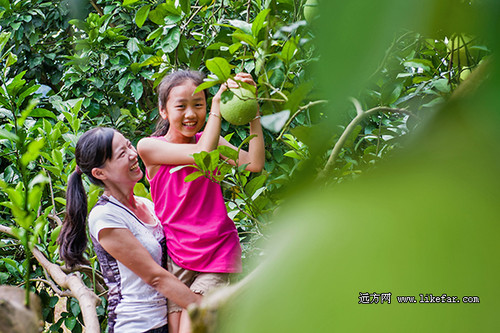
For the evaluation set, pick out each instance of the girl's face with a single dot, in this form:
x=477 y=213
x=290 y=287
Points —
x=123 y=167
x=185 y=112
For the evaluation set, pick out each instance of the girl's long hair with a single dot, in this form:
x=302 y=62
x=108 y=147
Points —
x=93 y=149
x=167 y=83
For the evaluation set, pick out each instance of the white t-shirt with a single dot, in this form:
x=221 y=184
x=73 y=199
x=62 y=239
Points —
x=133 y=305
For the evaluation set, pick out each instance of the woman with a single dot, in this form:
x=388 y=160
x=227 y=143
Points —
x=127 y=236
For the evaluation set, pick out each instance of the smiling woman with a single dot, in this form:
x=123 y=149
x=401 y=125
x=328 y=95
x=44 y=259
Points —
x=137 y=283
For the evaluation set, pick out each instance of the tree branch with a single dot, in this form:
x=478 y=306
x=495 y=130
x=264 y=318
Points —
x=348 y=130
x=299 y=110
x=97 y=8
x=87 y=299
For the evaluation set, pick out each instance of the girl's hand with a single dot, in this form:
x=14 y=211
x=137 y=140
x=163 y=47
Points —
x=243 y=77
x=233 y=84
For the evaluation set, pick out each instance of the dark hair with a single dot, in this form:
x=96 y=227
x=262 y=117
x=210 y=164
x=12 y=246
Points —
x=93 y=149
x=170 y=81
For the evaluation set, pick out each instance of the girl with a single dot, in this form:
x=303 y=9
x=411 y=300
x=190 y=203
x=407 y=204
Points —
x=202 y=241
x=126 y=234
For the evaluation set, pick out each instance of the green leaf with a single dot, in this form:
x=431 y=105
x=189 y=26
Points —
x=234 y=47
x=199 y=159
x=193 y=176
x=155 y=34
x=246 y=38
x=257 y=193
x=275 y=122
x=34 y=198
x=32 y=152
x=158 y=14
x=62 y=201
x=123 y=83
x=220 y=67
x=185 y=6
x=171 y=41
x=214 y=160
x=8 y=135
x=79 y=24
x=425 y=64
x=75 y=308
x=259 y=21
x=137 y=88
x=142 y=15
x=141 y=190
x=11 y=59
x=43 y=113
x=177 y=168
x=55 y=233
x=4 y=38
x=288 y=51
x=206 y=85
x=129 y=2
x=391 y=92
x=133 y=45
x=70 y=322
x=153 y=61
x=254 y=184
x=171 y=19
x=207 y=161
x=25 y=94
x=228 y=152
x=241 y=25
x=293 y=154
x=16 y=84
x=442 y=85
x=247 y=140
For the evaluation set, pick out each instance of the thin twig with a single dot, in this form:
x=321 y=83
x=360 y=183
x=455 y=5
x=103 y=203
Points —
x=299 y=110
x=54 y=287
x=97 y=8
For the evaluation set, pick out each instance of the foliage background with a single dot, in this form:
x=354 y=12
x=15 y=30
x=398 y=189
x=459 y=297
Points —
x=72 y=65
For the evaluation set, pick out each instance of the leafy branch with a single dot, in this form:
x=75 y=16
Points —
x=361 y=115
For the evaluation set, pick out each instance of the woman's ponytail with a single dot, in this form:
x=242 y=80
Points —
x=92 y=150
x=73 y=235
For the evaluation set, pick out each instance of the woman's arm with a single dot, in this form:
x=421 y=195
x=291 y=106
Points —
x=119 y=242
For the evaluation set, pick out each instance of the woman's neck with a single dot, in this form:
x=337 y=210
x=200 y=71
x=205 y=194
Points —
x=125 y=198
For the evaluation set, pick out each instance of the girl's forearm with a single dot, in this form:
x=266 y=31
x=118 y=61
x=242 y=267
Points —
x=210 y=137
x=256 y=149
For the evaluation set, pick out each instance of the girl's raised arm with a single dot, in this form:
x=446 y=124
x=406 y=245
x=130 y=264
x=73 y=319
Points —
x=255 y=156
x=155 y=152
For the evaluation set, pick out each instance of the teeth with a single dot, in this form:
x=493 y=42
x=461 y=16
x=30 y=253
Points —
x=135 y=166
x=190 y=124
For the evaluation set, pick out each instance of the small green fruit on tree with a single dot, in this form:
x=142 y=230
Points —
x=311 y=10
x=241 y=108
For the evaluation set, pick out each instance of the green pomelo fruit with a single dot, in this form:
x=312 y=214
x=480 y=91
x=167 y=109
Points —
x=311 y=10
x=241 y=108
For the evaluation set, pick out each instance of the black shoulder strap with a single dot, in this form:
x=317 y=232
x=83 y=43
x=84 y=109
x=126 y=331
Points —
x=105 y=199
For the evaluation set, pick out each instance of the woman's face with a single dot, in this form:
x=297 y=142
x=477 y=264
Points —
x=185 y=112
x=123 y=167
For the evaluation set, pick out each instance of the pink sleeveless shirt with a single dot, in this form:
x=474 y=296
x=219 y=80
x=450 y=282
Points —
x=200 y=236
